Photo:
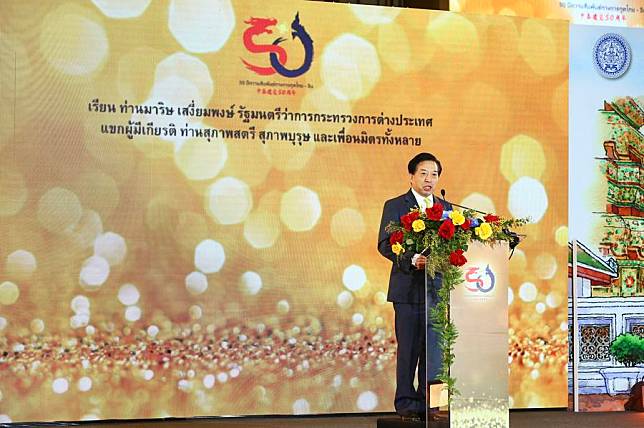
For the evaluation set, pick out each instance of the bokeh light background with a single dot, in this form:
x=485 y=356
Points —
x=153 y=277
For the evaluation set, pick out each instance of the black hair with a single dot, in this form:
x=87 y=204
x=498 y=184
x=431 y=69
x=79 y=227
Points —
x=422 y=157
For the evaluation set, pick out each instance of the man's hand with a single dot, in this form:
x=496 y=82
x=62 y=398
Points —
x=421 y=261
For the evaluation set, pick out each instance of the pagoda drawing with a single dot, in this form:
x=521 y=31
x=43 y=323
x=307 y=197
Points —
x=624 y=171
x=610 y=276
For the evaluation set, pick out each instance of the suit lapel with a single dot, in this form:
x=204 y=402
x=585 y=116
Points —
x=410 y=200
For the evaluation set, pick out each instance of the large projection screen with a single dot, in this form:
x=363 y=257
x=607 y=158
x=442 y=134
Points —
x=189 y=212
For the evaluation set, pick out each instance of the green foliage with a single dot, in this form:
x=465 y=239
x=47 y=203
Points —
x=628 y=349
x=445 y=327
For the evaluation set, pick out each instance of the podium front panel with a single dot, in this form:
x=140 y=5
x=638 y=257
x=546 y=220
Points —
x=479 y=309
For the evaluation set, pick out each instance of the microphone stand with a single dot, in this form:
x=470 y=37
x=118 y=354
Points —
x=515 y=238
x=461 y=206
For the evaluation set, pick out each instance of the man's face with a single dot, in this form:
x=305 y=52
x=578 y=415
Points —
x=425 y=179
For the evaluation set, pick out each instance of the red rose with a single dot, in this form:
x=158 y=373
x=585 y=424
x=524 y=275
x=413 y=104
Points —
x=457 y=258
x=396 y=237
x=491 y=218
x=447 y=229
x=466 y=224
x=408 y=219
x=435 y=212
x=406 y=222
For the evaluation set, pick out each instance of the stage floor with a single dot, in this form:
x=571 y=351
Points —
x=518 y=419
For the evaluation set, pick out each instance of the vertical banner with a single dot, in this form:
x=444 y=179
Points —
x=607 y=210
x=190 y=195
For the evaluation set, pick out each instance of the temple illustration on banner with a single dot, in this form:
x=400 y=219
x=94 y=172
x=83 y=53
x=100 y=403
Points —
x=625 y=199
x=610 y=278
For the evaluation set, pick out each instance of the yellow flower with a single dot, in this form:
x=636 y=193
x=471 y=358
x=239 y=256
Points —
x=484 y=231
x=457 y=217
x=418 y=225
x=397 y=248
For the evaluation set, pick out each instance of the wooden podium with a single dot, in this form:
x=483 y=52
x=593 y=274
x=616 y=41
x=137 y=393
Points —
x=479 y=309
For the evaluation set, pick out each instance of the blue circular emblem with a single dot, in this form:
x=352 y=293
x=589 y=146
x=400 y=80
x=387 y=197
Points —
x=611 y=55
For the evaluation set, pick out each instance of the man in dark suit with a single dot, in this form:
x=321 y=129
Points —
x=407 y=292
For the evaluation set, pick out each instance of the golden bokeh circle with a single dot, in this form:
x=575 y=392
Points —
x=21 y=264
x=37 y=326
x=201 y=25
x=98 y=191
x=229 y=200
x=528 y=197
x=284 y=155
x=545 y=266
x=190 y=69
x=122 y=9
x=458 y=38
x=399 y=60
x=250 y=283
x=375 y=15
x=209 y=256
x=539 y=48
x=262 y=229
x=196 y=283
x=9 y=293
x=94 y=272
x=59 y=210
x=200 y=159
x=88 y=228
x=561 y=236
x=128 y=294
x=300 y=209
x=72 y=41
x=347 y=227
x=480 y=202
x=112 y=247
x=521 y=156
x=350 y=77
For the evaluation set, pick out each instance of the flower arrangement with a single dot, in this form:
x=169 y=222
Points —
x=446 y=236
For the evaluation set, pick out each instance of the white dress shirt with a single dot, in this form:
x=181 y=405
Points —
x=422 y=204
x=421 y=200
